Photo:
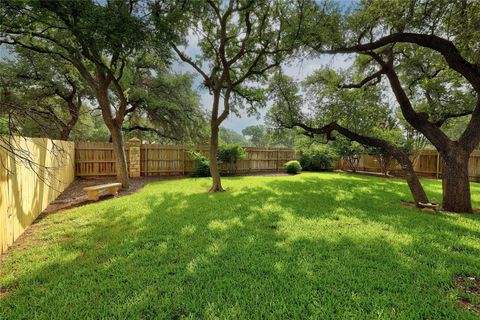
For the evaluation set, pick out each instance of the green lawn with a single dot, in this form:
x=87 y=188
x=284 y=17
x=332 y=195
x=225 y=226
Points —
x=315 y=245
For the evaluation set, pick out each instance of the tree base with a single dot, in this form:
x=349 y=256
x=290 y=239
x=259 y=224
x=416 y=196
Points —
x=216 y=189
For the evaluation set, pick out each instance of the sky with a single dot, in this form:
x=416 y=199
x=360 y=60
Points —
x=298 y=70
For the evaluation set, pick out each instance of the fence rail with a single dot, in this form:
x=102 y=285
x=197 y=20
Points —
x=98 y=159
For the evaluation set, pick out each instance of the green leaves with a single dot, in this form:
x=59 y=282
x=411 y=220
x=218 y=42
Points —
x=231 y=153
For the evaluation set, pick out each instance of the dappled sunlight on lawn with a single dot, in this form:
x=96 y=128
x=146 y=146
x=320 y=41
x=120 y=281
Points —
x=313 y=245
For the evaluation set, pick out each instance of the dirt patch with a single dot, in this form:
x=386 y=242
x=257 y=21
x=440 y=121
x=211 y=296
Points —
x=469 y=285
x=5 y=290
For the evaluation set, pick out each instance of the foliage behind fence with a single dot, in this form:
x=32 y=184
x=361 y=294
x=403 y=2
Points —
x=33 y=172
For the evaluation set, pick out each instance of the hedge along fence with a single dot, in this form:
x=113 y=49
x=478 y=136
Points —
x=93 y=159
x=26 y=189
x=427 y=164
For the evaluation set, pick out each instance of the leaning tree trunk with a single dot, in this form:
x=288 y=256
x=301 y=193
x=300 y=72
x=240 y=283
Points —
x=418 y=193
x=65 y=133
x=214 y=170
x=121 y=159
x=456 y=183
x=413 y=182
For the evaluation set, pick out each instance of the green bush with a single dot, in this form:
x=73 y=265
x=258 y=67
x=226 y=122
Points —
x=293 y=167
x=201 y=167
x=230 y=154
x=317 y=158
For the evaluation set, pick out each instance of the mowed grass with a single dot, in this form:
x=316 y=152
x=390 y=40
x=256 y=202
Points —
x=311 y=246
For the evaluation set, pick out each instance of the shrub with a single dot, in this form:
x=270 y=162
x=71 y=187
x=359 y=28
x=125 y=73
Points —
x=202 y=165
x=293 y=167
x=231 y=153
x=317 y=158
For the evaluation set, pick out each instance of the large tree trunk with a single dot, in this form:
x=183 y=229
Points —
x=67 y=129
x=65 y=133
x=214 y=170
x=121 y=159
x=456 y=183
x=116 y=136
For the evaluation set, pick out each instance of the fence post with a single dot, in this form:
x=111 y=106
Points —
x=438 y=164
x=134 y=145
x=183 y=160
x=277 y=160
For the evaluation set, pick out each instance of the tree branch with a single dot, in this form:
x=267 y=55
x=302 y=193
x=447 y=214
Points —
x=186 y=59
x=445 y=47
x=149 y=129
x=377 y=76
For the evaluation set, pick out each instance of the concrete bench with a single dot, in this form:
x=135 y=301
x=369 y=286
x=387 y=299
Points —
x=94 y=192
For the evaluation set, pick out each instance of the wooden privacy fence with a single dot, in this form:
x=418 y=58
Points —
x=26 y=188
x=427 y=164
x=97 y=159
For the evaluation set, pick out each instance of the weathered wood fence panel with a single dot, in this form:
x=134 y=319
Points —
x=157 y=160
x=427 y=164
x=26 y=190
x=95 y=159
x=98 y=159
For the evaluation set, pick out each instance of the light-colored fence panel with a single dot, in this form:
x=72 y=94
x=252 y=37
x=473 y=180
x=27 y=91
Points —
x=427 y=164
x=26 y=190
x=156 y=159
x=474 y=166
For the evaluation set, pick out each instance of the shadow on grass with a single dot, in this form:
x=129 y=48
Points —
x=326 y=246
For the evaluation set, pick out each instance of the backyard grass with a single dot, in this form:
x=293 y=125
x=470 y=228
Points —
x=315 y=245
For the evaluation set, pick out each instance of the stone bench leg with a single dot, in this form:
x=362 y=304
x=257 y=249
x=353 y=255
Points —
x=113 y=191
x=93 y=195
